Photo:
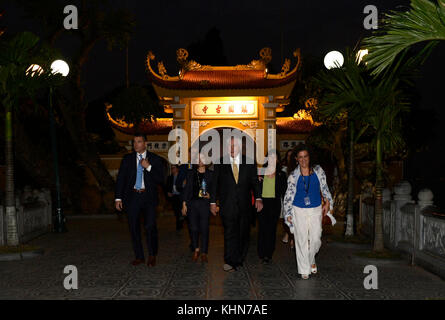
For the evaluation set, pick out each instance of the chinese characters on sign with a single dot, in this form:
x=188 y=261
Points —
x=224 y=109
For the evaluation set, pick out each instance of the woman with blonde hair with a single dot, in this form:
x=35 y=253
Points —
x=306 y=202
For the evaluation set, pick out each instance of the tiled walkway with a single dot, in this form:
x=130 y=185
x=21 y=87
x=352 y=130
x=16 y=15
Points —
x=101 y=251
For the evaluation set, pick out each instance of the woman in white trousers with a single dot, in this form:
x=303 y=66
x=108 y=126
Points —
x=306 y=201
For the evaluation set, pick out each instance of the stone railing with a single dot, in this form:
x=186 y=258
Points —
x=416 y=229
x=34 y=215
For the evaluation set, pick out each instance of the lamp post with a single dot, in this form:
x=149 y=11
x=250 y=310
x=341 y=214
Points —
x=57 y=67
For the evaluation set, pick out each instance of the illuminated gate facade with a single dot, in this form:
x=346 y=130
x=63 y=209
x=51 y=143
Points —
x=203 y=97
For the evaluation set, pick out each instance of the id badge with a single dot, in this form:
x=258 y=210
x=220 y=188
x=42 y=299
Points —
x=307 y=201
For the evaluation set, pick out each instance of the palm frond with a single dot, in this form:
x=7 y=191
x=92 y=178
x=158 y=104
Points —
x=424 y=21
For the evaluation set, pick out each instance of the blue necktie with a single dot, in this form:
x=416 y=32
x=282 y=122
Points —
x=139 y=173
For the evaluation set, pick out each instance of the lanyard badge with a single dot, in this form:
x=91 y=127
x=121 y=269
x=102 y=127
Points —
x=307 y=200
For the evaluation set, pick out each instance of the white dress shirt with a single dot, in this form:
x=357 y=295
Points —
x=235 y=161
x=144 y=155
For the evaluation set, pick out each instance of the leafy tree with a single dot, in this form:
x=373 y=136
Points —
x=99 y=20
x=134 y=105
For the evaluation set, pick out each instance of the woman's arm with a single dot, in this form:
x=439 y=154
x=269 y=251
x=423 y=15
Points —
x=186 y=194
x=324 y=187
x=288 y=198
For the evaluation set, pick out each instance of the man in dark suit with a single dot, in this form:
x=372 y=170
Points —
x=139 y=175
x=233 y=181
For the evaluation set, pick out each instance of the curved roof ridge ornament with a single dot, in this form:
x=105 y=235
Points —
x=297 y=56
x=261 y=64
x=285 y=69
x=266 y=55
x=161 y=69
x=191 y=65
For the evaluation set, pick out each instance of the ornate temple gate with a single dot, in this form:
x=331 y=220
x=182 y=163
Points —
x=245 y=97
x=201 y=97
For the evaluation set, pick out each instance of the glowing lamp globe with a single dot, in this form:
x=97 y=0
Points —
x=333 y=59
x=60 y=66
x=33 y=70
x=360 y=54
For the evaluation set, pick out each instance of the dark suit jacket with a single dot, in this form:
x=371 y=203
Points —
x=187 y=193
x=233 y=196
x=280 y=184
x=126 y=177
x=182 y=174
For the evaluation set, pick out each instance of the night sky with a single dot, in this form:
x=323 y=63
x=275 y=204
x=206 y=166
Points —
x=245 y=27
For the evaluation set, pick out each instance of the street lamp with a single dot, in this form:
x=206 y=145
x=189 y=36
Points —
x=333 y=59
x=33 y=70
x=62 y=68
x=360 y=54
x=57 y=67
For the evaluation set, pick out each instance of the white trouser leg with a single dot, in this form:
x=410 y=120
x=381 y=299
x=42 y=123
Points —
x=307 y=228
x=301 y=238
x=315 y=230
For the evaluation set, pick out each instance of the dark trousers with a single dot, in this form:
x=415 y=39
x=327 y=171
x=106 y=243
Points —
x=140 y=204
x=267 y=226
x=236 y=225
x=199 y=217
x=177 y=205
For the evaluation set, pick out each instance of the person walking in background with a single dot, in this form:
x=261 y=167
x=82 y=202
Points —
x=174 y=195
x=273 y=186
x=306 y=190
x=139 y=175
x=180 y=184
x=287 y=237
x=196 y=205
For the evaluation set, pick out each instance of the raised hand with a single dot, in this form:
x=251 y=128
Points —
x=213 y=209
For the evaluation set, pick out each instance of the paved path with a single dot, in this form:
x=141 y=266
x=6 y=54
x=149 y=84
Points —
x=101 y=251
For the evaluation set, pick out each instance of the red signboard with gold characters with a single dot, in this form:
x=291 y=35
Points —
x=224 y=109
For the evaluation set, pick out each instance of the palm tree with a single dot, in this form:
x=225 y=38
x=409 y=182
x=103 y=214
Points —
x=384 y=101
x=423 y=22
x=373 y=104
x=17 y=84
x=341 y=101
